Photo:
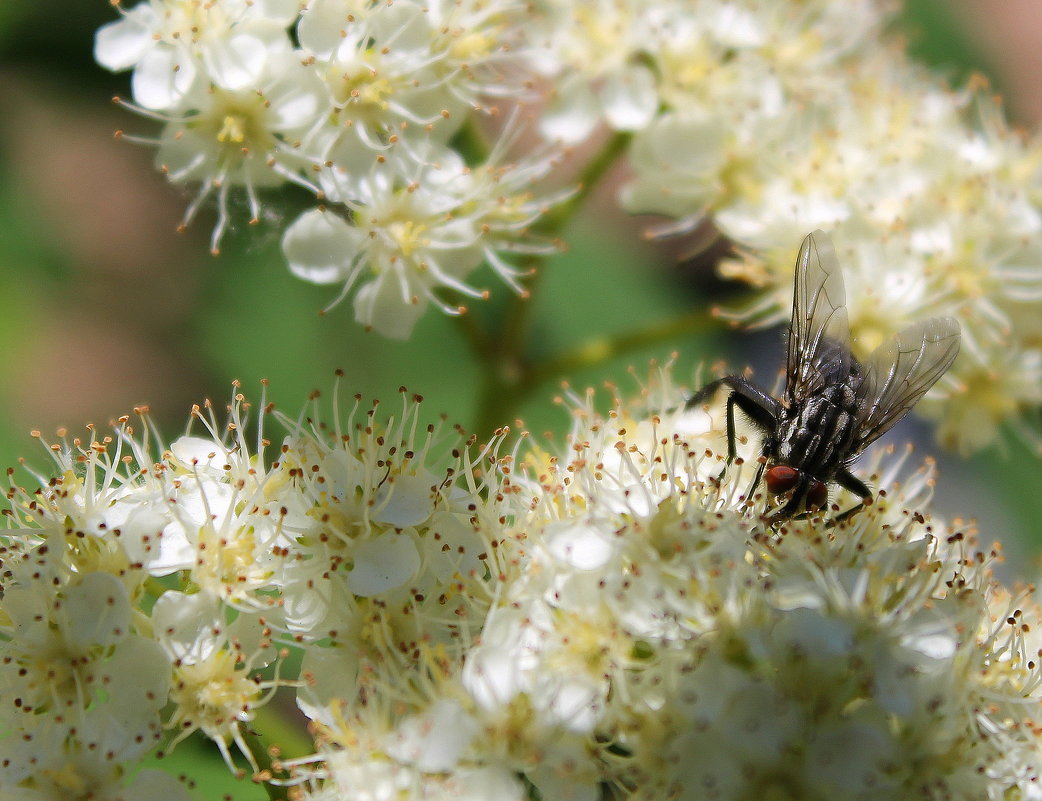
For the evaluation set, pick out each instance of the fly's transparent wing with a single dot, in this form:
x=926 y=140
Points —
x=900 y=371
x=818 y=333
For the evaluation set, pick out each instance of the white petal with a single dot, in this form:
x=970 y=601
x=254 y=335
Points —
x=320 y=26
x=379 y=304
x=183 y=155
x=203 y=502
x=281 y=11
x=630 y=98
x=97 y=611
x=161 y=79
x=236 y=62
x=678 y=160
x=333 y=674
x=572 y=114
x=579 y=780
x=852 y=759
x=156 y=784
x=479 y=784
x=123 y=43
x=808 y=632
x=155 y=541
x=141 y=671
x=580 y=546
x=346 y=473
x=575 y=705
x=434 y=741
x=736 y=27
x=460 y=558
x=508 y=657
x=185 y=624
x=383 y=563
x=407 y=25
x=319 y=247
x=296 y=97
x=200 y=453
x=405 y=500
x=306 y=602
x=492 y=677
x=932 y=633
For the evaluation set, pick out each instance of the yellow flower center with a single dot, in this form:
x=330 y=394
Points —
x=409 y=235
x=471 y=46
x=233 y=130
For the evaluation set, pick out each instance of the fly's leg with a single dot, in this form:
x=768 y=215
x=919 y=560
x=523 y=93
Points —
x=761 y=409
x=759 y=470
x=849 y=481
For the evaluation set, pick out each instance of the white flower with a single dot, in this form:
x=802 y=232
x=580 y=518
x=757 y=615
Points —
x=615 y=611
x=679 y=159
x=409 y=69
x=176 y=46
x=435 y=740
x=64 y=646
x=723 y=656
x=424 y=756
x=47 y=765
x=245 y=139
x=415 y=228
x=388 y=555
x=621 y=61
x=381 y=74
x=360 y=114
x=213 y=688
x=595 y=50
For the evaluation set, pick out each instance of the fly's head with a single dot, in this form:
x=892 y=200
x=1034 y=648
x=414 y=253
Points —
x=806 y=493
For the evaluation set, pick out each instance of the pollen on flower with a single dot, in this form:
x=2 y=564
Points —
x=360 y=91
x=216 y=696
x=227 y=561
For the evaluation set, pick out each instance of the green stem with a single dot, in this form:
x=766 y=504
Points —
x=270 y=726
x=507 y=370
x=266 y=773
x=551 y=226
x=599 y=349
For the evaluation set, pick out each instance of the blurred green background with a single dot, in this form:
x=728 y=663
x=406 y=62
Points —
x=105 y=307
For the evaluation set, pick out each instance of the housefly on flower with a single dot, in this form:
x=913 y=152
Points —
x=834 y=406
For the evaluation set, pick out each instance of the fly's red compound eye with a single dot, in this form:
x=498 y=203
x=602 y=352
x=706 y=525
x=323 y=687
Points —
x=817 y=495
x=782 y=478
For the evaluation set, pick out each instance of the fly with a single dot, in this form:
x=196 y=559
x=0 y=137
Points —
x=834 y=406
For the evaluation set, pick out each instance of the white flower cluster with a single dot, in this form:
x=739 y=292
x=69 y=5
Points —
x=358 y=103
x=144 y=590
x=623 y=62
x=776 y=119
x=607 y=619
x=767 y=120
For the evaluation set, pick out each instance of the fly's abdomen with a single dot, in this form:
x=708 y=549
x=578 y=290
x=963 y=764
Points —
x=817 y=435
